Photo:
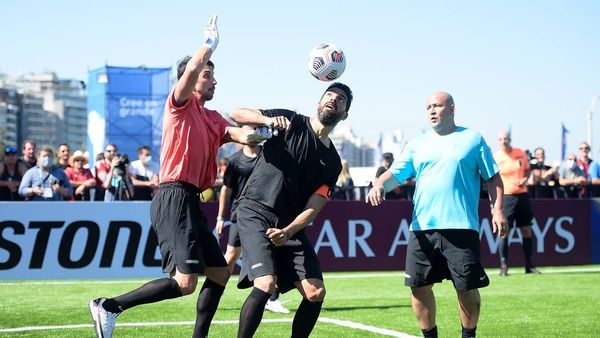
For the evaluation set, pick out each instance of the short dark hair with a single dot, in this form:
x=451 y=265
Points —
x=181 y=64
x=45 y=150
x=143 y=148
x=343 y=88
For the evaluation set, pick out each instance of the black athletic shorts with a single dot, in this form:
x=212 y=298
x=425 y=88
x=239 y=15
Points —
x=517 y=208
x=292 y=262
x=234 y=236
x=184 y=237
x=435 y=255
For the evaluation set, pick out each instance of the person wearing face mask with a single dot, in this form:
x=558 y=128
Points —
x=143 y=175
x=45 y=181
x=571 y=178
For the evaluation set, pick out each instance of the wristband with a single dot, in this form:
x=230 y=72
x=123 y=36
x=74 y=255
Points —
x=220 y=218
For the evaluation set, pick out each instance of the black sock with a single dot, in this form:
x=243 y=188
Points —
x=151 y=292
x=430 y=333
x=503 y=250
x=305 y=318
x=469 y=333
x=208 y=301
x=275 y=295
x=252 y=312
x=528 y=251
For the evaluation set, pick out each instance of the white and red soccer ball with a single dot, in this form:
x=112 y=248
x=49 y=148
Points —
x=326 y=62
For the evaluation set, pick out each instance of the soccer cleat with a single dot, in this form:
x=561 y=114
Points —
x=532 y=270
x=276 y=306
x=503 y=270
x=104 y=321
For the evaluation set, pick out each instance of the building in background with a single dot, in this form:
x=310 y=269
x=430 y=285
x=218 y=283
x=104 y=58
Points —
x=44 y=108
x=352 y=148
x=10 y=104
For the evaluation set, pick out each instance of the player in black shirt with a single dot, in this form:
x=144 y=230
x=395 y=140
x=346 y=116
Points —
x=289 y=186
x=239 y=168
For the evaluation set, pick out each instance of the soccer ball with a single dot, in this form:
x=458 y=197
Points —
x=326 y=62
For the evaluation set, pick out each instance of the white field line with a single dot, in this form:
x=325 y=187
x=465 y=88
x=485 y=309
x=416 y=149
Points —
x=363 y=327
x=513 y=271
x=344 y=323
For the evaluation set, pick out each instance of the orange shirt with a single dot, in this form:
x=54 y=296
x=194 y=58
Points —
x=513 y=167
x=191 y=137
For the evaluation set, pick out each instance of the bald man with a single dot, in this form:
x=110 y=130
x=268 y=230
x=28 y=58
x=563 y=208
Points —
x=514 y=170
x=448 y=164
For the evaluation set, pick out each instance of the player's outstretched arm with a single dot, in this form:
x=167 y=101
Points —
x=496 y=191
x=386 y=182
x=239 y=135
x=255 y=118
x=194 y=67
x=314 y=205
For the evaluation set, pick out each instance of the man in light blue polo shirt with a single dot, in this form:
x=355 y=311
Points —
x=447 y=164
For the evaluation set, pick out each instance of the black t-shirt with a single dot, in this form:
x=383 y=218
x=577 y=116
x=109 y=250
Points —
x=292 y=167
x=5 y=193
x=540 y=166
x=239 y=169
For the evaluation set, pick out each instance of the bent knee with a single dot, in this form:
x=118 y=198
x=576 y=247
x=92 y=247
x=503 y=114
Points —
x=219 y=275
x=265 y=283
x=187 y=285
x=315 y=294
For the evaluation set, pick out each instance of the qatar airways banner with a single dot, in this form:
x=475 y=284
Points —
x=75 y=240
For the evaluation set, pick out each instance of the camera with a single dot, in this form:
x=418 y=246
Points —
x=123 y=162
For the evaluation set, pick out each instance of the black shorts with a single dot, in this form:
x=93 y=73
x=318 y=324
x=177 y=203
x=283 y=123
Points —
x=234 y=236
x=517 y=208
x=435 y=255
x=184 y=237
x=292 y=262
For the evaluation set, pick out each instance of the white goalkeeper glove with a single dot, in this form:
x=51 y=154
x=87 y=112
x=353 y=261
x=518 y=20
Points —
x=211 y=33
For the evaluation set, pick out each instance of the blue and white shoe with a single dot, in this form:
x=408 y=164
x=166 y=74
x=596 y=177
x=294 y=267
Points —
x=104 y=321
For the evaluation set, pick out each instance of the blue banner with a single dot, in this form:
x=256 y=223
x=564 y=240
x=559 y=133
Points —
x=125 y=108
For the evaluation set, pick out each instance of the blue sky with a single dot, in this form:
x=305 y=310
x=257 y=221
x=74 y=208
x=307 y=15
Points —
x=528 y=64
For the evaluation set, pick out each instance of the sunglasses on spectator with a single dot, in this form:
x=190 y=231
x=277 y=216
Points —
x=584 y=148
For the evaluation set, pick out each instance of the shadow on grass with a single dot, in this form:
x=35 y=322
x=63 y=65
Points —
x=337 y=308
x=368 y=307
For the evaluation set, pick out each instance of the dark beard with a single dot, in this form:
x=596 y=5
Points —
x=328 y=119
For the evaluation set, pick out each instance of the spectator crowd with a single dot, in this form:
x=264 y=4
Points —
x=45 y=175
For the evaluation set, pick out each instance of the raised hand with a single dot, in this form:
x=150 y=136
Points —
x=211 y=33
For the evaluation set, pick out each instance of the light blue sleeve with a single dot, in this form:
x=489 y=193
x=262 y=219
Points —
x=485 y=160
x=403 y=168
x=26 y=183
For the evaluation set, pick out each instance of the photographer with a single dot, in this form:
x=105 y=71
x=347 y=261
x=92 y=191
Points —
x=45 y=181
x=118 y=184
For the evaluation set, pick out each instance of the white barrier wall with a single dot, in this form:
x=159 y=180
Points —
x=72 y=240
